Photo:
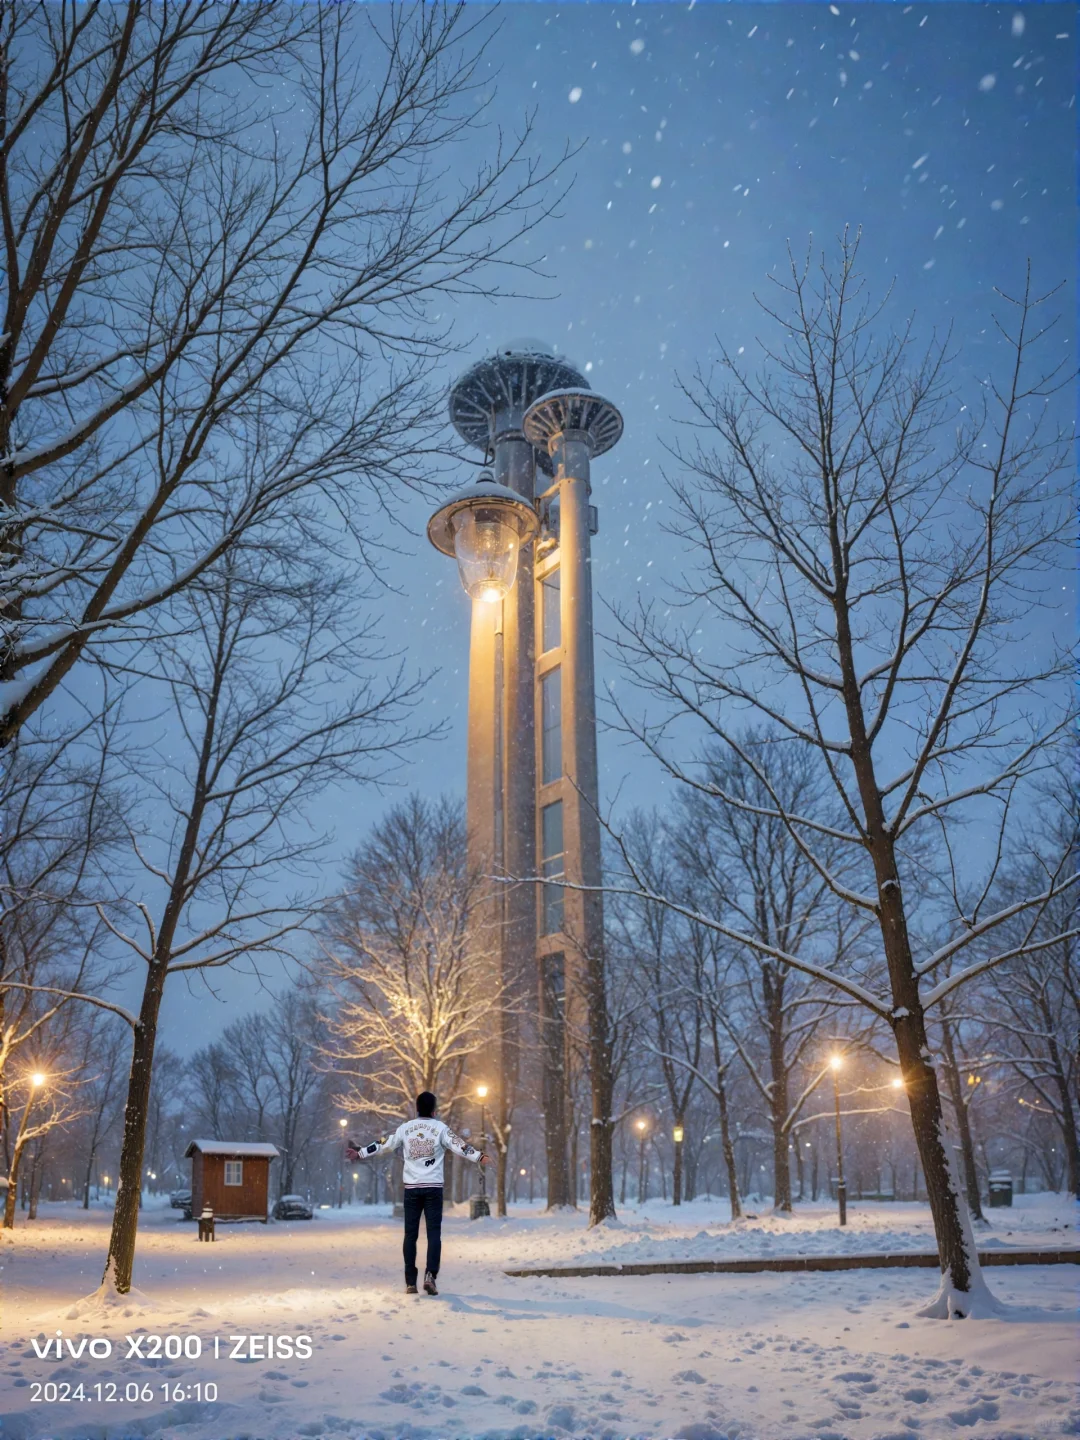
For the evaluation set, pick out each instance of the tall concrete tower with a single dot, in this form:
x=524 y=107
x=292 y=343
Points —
x=532 y=768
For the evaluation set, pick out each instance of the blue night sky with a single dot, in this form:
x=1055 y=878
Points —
x=710 y=135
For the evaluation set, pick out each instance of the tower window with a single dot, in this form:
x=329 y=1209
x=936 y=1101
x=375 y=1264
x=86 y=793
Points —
x=551 y=726
x=550 y=612
x=551 y=867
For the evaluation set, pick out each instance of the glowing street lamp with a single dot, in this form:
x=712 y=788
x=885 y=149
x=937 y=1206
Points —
x=677 y=1135
x=343 y=1122
x=37 y=1080
x=480 y=1208
x=484 y=527
x=643 y=1131
x=836 y=1063
x=897 y=1083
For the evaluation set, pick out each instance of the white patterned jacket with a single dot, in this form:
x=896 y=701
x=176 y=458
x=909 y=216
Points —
x=425 y=1141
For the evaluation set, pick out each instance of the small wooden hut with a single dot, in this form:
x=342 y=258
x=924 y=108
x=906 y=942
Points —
x=231 y=1177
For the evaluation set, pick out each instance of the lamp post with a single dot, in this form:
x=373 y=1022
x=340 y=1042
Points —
x=643 y=1130
x=532 y=797
x=343 y=1122
x=677 y=1136
x=836 y=1063
x=479 y=1209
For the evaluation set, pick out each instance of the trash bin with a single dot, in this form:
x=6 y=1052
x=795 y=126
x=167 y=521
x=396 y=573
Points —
x=1000 y=1189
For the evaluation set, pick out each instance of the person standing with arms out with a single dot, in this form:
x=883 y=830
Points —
x=425 y=1142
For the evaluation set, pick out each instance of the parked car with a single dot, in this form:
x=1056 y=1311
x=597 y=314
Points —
x=293 y=1207
x=180 y=1199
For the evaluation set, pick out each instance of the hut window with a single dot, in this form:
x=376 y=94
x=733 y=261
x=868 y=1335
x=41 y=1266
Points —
x=234 y=1172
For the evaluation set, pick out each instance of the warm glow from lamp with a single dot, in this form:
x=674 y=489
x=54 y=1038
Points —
x=482 y=1090
x=343 y=1123
x=484 y=527
x=836 y=1062
x=524 y=1171
x=677 y=1134
x=37 y=1079
x=486 y=548
x=641 y=1126
x=897 y=1084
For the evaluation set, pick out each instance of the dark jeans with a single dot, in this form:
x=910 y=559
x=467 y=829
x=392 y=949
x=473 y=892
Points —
x=424 y=1200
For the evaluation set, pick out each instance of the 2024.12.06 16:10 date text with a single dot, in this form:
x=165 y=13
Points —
x=108 y=1392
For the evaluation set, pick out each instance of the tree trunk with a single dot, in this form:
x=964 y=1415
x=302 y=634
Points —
x=553 y=1059
x=963 y=1123
x=574 y=1187
x=778 y=1090
x=601 y=1180
x=120 y=1261
x=501 y=1159
x=36 y=1170
x=11 y=1199
x=728 y=1149
x=799 y=1166
x=961 y=1276
x=677 y=1167
x=1068 y=1119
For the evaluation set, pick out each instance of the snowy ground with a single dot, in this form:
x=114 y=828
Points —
x=803 y=1357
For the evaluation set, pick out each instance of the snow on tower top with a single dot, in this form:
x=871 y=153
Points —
x=493 y=395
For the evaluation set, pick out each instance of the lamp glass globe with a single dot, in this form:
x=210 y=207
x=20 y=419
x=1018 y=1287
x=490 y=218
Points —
x=486 y=547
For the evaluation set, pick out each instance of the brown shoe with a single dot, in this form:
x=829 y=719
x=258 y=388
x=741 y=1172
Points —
x=410 y=1290
x=429 y=1284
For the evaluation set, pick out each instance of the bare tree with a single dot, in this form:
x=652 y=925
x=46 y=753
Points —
x=410 y=1000
x=666 y=972
x=217 y=292
x=1034 y=1000
x=46 y=1099
x=165 y=1140
x=243 y=1047
x=101 y=1071
x=741 y=862
x=293 y=1042
x=956 y=1071
x=262 y=1078
x=59 y=827
x=879 y=550
x=270 y=703
x=212 y=1088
